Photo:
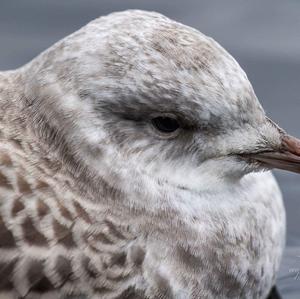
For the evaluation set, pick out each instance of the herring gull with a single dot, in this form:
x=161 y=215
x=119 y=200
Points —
x=134 y=162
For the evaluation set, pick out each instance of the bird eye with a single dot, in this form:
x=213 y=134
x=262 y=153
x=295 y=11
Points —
x=165 y=124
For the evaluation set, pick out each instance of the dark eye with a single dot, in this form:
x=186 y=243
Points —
x=165 y=124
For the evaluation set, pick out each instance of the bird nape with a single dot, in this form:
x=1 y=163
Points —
x=134 y=163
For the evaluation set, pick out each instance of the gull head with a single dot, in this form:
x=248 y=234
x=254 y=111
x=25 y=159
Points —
x=136 y=97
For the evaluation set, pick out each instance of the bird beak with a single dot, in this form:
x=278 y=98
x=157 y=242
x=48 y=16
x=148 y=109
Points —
x=286 y=157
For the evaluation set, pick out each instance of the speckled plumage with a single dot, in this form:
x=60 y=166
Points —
x=94 y=202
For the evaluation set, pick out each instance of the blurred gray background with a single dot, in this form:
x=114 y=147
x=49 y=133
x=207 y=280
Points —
x=264 y=36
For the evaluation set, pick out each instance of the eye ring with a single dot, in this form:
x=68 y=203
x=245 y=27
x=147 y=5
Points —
x=166 y=125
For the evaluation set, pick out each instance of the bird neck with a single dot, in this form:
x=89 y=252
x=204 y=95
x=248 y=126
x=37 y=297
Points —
x=10 y=85
x=5 y=83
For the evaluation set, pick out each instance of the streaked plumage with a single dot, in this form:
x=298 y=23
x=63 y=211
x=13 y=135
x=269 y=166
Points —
x=95 y=202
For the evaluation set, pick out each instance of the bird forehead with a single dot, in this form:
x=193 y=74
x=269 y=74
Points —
x=161 y=43
x=156 y=53
x=142 y=59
